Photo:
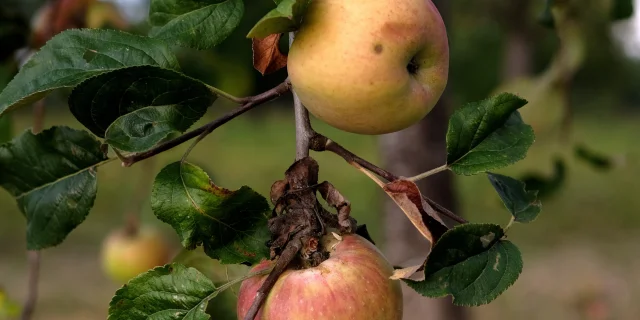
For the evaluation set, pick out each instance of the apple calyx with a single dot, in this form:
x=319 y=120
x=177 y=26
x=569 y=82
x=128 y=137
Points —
x=412 y=67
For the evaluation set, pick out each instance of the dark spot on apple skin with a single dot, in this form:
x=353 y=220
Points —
x=378 y=48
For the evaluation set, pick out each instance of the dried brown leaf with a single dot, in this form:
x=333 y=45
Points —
x=406 y=273
x=267 y=57
x=407 y=196
x=424 y=217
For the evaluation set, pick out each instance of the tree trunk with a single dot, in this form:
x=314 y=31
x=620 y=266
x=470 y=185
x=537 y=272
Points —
x=405 y=153
x=518 y=60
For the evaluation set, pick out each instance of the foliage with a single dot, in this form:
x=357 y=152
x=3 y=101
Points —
x=129 y=92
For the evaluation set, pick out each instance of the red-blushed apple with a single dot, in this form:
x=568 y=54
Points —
x=352 y=284
x=370 y=67
x=126 y=255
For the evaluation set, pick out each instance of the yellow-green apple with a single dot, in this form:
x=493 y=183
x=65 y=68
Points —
x=353 y=283
x=370 y=67
x=125 y=254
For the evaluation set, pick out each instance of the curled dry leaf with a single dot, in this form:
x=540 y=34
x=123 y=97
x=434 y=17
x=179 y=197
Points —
x=407 y=196
x=406 y=273
x=267 y=57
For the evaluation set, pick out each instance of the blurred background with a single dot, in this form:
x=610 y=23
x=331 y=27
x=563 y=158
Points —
x=582 y=79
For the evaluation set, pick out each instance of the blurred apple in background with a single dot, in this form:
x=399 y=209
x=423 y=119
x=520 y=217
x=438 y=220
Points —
x=126 y=253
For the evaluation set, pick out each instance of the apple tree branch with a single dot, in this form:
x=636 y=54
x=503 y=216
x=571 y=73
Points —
x=321 y=143
x=249 y=103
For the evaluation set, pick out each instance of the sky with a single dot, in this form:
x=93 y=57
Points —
x=628 y=33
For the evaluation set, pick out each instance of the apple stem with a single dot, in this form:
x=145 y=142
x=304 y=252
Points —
x=226 y=95
x=304 y=132
x=33 y=256
x=428 y=173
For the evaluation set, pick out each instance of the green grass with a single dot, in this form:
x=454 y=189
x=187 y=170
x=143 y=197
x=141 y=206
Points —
x=599 y=211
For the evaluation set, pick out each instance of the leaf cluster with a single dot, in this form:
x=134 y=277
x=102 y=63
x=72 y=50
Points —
x=129 y=93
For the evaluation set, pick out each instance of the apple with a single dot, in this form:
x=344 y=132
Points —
x=353 y=283
x=125 y=254
x=370 y=67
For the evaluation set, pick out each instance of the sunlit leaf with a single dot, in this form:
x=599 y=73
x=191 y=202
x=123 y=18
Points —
x=172 y=291
x=487 y=135
x=286 y=17
x=230 y=225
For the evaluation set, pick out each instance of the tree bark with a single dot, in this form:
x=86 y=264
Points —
x=417 y=149
x=518 y=60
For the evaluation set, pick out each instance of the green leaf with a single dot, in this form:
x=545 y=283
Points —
x=172 y=291
x=621 y=9
x=199 y=24
x=142 y=129
x=6 y=128
x=522 y=203
x=137 y=107
x=471 y=263
x=546 y=16
x=52 y=175
x=595 y=159
x=231 y=225
x=285 y=18
x=547 y=186
x=487 y=135
x=76 y=55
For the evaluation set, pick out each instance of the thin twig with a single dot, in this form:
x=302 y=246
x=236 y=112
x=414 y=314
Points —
x=321 y=143
x=444 y=211
x=288 y=254
x=33 y=257
x=251 y=103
